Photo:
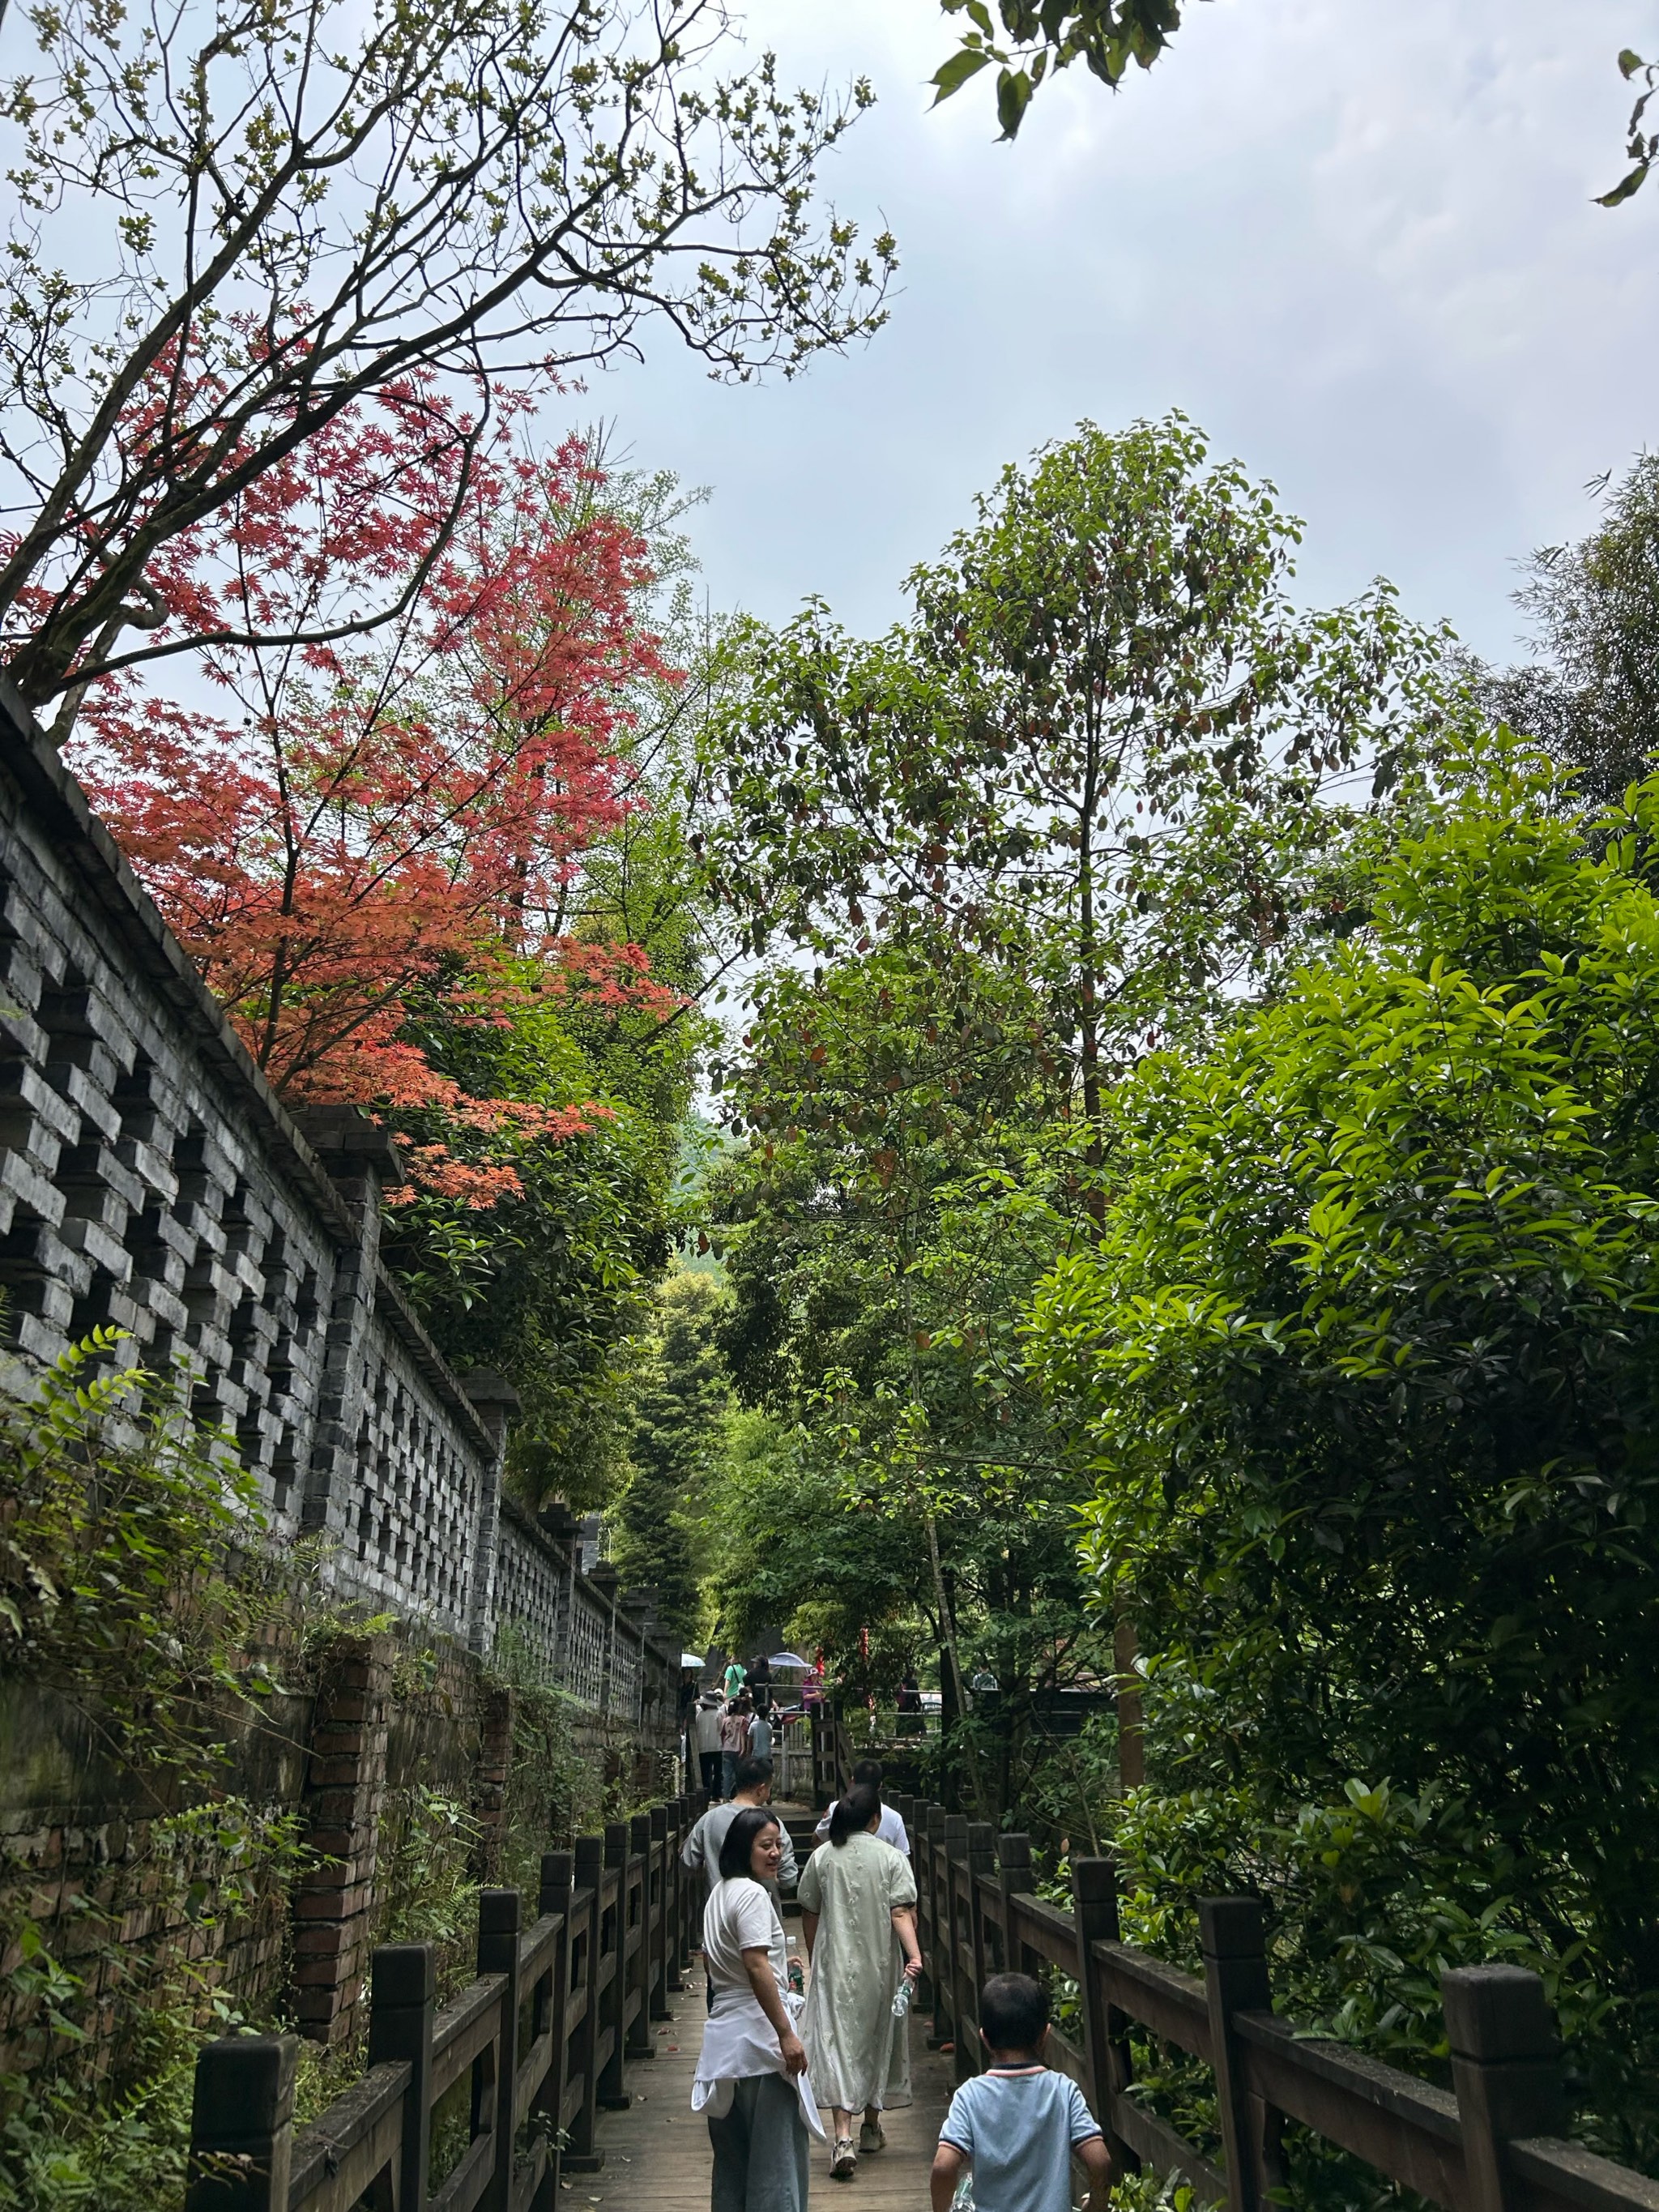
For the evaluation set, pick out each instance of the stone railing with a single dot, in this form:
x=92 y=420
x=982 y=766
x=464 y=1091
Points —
x=151 y=1180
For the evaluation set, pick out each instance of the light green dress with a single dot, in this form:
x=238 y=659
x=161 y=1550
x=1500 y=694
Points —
x=857 y=2054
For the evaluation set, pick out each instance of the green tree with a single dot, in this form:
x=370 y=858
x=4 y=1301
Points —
x=1028 y=37
x=898 y=1201
x=285 y=207
x=1594 y=699
x=1367 y=1363
x=1085 y=796
x=553 y=1284
x=1099 y=756
x=681 y=1399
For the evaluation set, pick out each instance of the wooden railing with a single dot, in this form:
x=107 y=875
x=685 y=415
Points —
x=541 y=2038
x=1493 y=2144
x=832 y=1755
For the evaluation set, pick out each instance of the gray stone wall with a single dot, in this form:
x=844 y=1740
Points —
x=151 y=1180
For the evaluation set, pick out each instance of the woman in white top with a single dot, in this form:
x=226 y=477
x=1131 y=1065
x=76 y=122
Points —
x=751 y=2073
x=858 y=1900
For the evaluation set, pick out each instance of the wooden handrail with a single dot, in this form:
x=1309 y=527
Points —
x=615 y=1921
x=1473 y=2151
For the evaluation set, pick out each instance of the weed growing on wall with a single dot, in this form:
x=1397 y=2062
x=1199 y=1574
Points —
x=136 y=1593
x=120 y=1524
x=555 y=1790
x=426 y=1882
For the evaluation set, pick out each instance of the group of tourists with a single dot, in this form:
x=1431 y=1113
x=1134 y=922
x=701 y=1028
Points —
x=773 y=2058
x=733 y=1723
x=728 y=1731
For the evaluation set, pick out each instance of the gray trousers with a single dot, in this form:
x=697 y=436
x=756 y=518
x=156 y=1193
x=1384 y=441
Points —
x=760 y=2162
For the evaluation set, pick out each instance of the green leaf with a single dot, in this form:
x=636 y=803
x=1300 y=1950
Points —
x=967 y=62
x=1630 y=63
x=1628 y=190
x=1014 y=90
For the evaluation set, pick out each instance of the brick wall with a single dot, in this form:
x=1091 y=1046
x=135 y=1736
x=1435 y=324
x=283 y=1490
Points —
x=150 y=1179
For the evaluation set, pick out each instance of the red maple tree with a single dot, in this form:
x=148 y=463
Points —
x=386 y=814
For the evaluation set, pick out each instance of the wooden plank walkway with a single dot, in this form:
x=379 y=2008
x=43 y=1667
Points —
x=657 y=2157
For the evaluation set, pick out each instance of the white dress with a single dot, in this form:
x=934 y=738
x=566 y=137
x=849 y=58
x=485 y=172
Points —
x=738 y=2038
x=857 y=2053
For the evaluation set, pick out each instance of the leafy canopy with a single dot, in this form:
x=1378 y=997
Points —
x=1099 y=756
x=1029 y=37
x=285 y=208
x=1366 y=1359
x=1592 y=696
x=402 y=815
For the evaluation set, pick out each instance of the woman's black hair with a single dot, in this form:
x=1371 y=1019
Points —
x=737 y=1844
x=854 y=1812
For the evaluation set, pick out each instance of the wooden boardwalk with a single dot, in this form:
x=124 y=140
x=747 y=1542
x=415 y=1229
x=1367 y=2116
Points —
x=657 y=2157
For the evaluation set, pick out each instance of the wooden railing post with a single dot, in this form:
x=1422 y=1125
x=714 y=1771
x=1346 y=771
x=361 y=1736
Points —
x=499 y=1912
x=547 y=2107
x=924 y=1994
x=906 y=1808
x=242 y=2125
x=1234 y=1944
x=673 y=1890
x=639 y=1865
x=612 y=2094
x=940 y=1918
x=403 y=2002
x=956 y=1856
x=664 y=1849
x=1506 y=2070
x=1014 y=1873
x=981 y=1861
x=580 y=2153
x=1105 y=2030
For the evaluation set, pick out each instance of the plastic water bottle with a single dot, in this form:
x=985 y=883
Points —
x=901 y=1998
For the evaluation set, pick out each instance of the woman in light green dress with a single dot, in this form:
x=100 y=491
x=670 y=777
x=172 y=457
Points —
x=858 y=1900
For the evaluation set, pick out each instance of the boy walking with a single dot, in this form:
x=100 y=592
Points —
x=1018 y=2124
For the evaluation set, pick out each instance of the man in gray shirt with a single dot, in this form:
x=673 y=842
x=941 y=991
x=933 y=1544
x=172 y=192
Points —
x=752 y=1785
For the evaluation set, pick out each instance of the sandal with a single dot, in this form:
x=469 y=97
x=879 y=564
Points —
x=871 y=2137
x=845 y=2163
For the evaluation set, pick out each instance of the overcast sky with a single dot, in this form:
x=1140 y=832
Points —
x=1352 y=239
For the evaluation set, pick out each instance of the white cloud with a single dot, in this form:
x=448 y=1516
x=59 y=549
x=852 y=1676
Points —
x=1353 y=238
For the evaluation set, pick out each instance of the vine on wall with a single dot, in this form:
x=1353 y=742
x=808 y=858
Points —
x=138 y=1596
x=141 y=1595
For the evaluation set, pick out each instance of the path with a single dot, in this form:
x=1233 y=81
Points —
x=657 y=2156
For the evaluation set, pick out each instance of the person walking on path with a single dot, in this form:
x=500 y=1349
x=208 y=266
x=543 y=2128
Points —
x=734 y=1743
x=858 y=1915
x=706 y=1722
x=752 y=1788
x=752 y=2079
x=1019 y=2124
x=735 y=1675
x=892 y=1830
x=760 y=1730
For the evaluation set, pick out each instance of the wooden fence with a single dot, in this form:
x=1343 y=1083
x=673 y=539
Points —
x=832 y=1755
x=541 y=2038
x=1493 y=2144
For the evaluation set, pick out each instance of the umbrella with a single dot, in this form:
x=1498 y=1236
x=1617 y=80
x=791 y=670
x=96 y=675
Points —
x=789 y=1659
x=691 y=1658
